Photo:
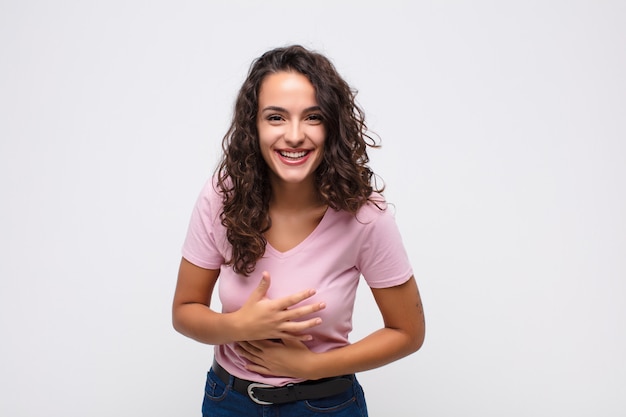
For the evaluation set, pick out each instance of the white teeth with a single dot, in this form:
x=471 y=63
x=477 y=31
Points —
x=293 y=155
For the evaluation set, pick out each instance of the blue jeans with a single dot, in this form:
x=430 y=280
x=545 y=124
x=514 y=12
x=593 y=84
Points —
x=220 y=400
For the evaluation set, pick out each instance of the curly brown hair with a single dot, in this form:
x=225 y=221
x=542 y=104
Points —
x=343 y=179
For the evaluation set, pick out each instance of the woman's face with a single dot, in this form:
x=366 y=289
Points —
x=290 y=127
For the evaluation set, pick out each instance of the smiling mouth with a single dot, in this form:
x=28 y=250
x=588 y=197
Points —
x=293 y=155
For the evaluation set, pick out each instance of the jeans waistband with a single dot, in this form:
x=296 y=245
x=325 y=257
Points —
x=265 y=394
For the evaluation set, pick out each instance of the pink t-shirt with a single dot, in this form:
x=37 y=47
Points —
x=331 y=259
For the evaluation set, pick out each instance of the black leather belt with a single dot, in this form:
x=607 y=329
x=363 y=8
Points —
x=268 y=394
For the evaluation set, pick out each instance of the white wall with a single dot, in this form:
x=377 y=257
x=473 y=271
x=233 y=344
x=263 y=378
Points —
x=503 y=128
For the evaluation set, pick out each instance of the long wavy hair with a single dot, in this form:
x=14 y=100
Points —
x=343 y=179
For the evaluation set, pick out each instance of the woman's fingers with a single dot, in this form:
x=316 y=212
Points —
x=292 y=326
x=293 y=299
x=249 y=348
x=261 y=290
x=294 y=329
x=264 y=318
x=296 y=313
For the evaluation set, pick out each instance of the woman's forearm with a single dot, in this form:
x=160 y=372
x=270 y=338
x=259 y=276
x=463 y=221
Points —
x=379 y=348
x=204 y=325
x=403 y=334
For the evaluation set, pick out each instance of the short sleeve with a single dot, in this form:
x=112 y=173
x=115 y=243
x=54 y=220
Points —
x=383 y=260
x=205 y=233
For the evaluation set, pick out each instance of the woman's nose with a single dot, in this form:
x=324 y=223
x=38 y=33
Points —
x=294 y=136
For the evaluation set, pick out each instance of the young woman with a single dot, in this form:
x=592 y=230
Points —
x=288 y=224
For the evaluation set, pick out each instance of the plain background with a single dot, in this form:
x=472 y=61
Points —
x=504 y=141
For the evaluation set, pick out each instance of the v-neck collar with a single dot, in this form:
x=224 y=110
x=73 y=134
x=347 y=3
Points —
x=269 y=249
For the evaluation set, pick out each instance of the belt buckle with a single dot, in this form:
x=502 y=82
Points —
x=251 y=394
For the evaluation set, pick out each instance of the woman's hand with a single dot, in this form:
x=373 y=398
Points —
x=262 y=318
x=259 y=318
x=402 y=334
x=289 y=358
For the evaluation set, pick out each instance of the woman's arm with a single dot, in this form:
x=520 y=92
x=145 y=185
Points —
x=258 y=318
x=402 y=334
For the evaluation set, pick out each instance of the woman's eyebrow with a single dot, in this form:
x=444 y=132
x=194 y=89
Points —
x=283 y=110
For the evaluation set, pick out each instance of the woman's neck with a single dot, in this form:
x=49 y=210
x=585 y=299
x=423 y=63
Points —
x=294 y=197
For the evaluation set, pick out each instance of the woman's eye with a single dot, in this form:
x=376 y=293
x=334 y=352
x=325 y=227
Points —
x=317 y=118
x=274 y=118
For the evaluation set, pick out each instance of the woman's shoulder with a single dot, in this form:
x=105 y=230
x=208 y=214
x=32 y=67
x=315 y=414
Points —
x=374 y=207
x=212 y=189
x=374 y=221
x=210 y=198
